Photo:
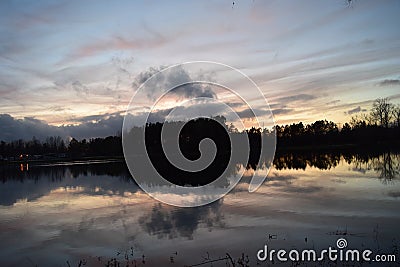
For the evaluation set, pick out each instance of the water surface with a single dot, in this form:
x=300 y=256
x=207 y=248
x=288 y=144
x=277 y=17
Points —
x=54 y=213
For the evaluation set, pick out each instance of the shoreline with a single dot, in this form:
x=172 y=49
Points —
x=339 y=148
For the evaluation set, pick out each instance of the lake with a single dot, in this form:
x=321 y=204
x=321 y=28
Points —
x=94 y=214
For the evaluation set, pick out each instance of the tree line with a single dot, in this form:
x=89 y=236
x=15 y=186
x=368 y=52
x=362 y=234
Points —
x=56 y=147
x=379 y=127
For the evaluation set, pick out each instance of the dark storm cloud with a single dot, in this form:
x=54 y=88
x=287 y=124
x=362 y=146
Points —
x=389 y=82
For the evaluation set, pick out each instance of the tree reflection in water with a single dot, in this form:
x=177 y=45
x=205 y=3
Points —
x=97 y=176
x=385 y=163
x=299 y=160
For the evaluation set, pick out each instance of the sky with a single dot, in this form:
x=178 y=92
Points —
x=70 y=68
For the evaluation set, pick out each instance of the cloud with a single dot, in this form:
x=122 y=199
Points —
x=118 y=43
x=95 y=118
x=79 y=88
x=281 y=111
x=355 y=110
x=139 y=118
x=101 y=125
x=104 y=125
x=196 y=90
x=145 y=75
x=252 y=113
x=277 y=105
x=26 y=128
x=159 y=115
x=107 y=124
x=89 y=126
x=390 y=82
x=333 y=102
x=58 y=108
x=163 y=83
x=296 y=98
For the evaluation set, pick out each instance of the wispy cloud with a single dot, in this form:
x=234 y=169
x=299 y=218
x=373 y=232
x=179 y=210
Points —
x=281 y=111
x=333 y=102
x=80 y=89
x=296 y=98
x=355 y=110
x=252 y=113
x=117 y=43
x=389 y=82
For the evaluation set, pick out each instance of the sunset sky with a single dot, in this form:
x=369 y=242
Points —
x=71 y=67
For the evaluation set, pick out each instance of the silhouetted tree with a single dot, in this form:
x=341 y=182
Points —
x=396 y=115
x=382 y=111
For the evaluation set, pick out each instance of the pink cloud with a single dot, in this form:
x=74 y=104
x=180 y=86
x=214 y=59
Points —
x=119 y=43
